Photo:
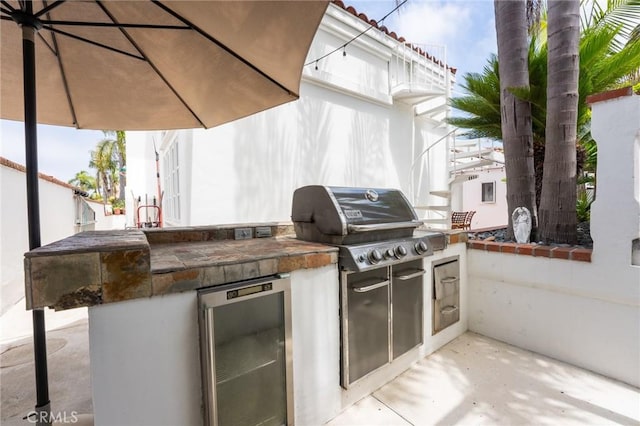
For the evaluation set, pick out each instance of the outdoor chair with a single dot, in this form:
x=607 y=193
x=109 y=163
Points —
x=461 y=220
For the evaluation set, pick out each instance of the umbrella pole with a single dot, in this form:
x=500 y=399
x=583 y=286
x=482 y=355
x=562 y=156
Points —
x=43 y=406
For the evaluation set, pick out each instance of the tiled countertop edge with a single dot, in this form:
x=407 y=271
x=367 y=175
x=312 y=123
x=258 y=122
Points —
x=537 y=250
x=80 y=271
x=202 y=277
x=110 y=266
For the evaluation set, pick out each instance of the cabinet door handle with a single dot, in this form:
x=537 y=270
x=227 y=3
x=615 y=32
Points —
x=449 y=280
x=370 y=287
x=414 y=274
x=448 y=309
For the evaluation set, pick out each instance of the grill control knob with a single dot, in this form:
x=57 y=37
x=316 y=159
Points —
x=389 y=253
x=375 y=256
x=400 y=252
x=421 y=247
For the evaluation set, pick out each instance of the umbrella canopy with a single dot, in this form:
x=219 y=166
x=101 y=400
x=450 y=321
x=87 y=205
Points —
x=143 y=65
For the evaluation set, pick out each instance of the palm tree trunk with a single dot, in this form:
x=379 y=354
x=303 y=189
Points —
x=558 y=199
x=517 y=134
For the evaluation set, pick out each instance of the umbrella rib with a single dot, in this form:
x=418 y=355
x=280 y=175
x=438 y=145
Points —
x=56 y=53
x=48 y=8
x=220 y=44
x=151 y=64
x=46 y=43
x=115 y=25
x=8 y=5
x=95 y=43
x=8 y=12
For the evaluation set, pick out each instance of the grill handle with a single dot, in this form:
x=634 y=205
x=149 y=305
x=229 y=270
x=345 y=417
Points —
x=383 y=226
x=417 y=273
x=370 y=287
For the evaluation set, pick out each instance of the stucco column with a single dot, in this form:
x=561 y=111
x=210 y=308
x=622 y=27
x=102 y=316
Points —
x=615 y=214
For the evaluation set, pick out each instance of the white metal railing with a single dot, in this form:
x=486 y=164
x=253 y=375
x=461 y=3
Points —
x=415 y=192
x=419 y=66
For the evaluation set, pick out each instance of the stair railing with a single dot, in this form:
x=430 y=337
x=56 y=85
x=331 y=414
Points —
x=419 y=157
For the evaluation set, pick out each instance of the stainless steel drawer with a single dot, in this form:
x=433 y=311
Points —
x=446 y=293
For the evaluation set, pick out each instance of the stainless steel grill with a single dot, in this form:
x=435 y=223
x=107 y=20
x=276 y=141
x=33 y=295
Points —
x=381 y=269
x=372 y=227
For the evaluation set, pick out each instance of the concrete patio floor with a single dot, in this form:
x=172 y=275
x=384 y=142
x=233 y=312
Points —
x=69 y=376
x=473 y=380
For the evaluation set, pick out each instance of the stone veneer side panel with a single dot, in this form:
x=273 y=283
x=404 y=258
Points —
x=76 y=276
x=125 y=275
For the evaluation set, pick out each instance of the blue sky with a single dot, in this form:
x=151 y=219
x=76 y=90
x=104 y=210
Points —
x=466 y=27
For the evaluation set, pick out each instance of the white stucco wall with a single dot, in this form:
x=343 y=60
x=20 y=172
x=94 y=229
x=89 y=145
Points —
x=57 y=215
x=582 y=313
x=316 y=345
x=247 y=171
x=615 y=214
x=145 y=361
x=587 y=314
x=346 y=129
x=57 y=221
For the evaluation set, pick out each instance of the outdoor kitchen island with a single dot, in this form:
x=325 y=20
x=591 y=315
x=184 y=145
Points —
x=145 y=343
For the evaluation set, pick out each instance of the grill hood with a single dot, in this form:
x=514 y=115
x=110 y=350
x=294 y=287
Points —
x=345 y=215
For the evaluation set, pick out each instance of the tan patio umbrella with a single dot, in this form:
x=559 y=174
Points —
x=143 y=65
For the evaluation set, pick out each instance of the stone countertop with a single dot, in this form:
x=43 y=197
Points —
x=188 y=266
x=98 y=267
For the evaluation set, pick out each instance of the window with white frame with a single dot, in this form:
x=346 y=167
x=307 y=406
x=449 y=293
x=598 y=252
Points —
x=488 y=192
x=171 y=200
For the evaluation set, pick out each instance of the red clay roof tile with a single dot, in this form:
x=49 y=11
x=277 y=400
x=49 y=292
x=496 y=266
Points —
x=391 y=34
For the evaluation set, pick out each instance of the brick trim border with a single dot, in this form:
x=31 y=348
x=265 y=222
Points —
x=553 y=252
x=19 y=167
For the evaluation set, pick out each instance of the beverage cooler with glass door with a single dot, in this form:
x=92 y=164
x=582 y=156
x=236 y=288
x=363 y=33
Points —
x=247 y=353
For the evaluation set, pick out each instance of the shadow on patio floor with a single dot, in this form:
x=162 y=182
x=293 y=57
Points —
x=477 y=380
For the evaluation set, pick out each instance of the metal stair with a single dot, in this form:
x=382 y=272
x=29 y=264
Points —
x=463 y=156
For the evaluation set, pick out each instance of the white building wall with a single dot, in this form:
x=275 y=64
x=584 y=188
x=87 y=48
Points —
x=345 y=129
x=246 y=171
x=141 y=173
x=488 y=214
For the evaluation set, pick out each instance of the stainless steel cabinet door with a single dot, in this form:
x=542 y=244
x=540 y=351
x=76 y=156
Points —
x=407 y=306
x=367 y=322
